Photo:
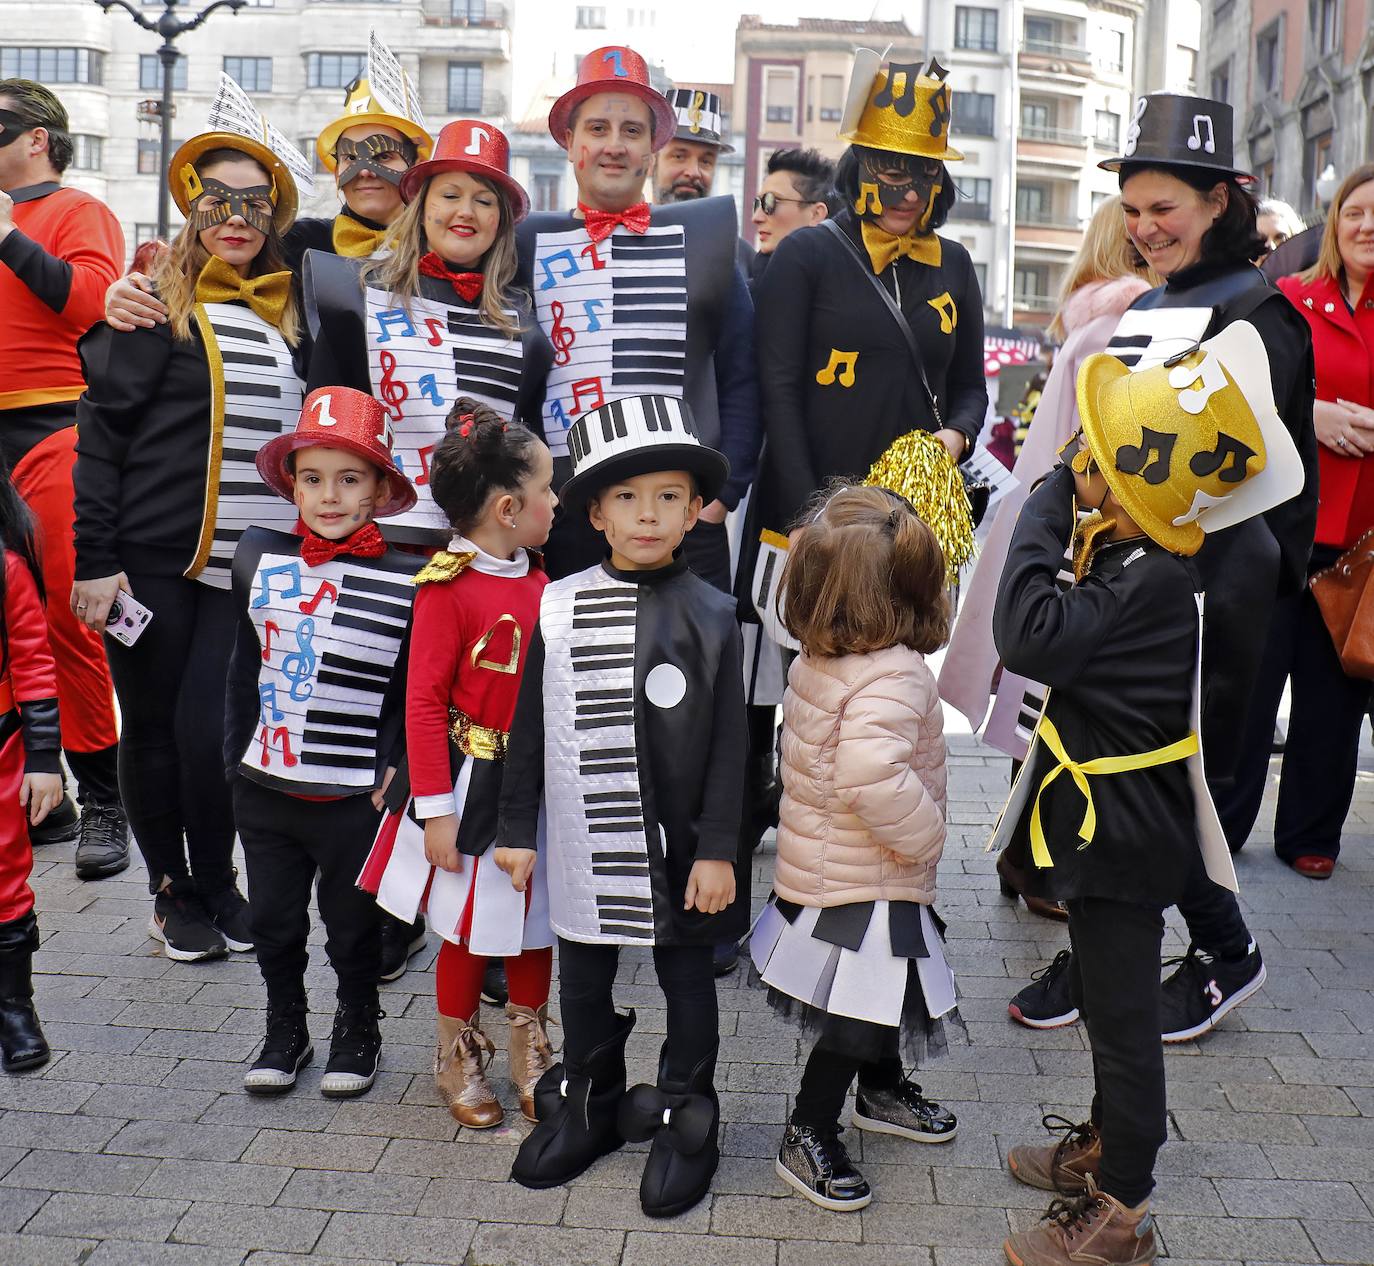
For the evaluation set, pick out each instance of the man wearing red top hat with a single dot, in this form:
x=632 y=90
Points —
x=636 y=299
x=321 y=620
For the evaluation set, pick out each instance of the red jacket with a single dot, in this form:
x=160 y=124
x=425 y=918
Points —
x=1343 y=348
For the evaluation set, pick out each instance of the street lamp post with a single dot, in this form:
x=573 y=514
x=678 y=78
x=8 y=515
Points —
x=170 y=27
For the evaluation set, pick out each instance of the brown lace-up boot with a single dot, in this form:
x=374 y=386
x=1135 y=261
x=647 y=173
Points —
x=460 y=1073
x=531 y=1054
x=1063 y=1166
x=1093 y=1229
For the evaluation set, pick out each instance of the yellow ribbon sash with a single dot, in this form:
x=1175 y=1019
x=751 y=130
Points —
x=1081 y=771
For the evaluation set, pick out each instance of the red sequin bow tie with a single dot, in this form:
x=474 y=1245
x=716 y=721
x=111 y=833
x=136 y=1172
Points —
x=366 y=542
x=601 y=224
x=468 y=285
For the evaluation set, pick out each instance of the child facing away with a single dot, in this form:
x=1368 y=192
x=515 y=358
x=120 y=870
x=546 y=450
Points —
x=631 y=724
x=1111 y=804
x=322 y=619
x=30 y=765
x=475 y=613
x=848 y=943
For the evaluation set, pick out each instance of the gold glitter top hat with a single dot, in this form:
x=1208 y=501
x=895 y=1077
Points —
x=1193 y=445
x=899 y=109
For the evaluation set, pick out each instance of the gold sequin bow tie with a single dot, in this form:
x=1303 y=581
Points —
x=354 y=239
x=884 y=247
x=266 y=295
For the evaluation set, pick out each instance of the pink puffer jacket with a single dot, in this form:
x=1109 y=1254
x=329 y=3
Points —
x=863 y=775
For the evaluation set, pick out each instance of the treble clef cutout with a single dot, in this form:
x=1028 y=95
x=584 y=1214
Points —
x=1133 y=131
x=561 y=335
x=392 y=392
x=299 y=666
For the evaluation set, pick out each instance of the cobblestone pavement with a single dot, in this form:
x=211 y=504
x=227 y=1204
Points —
x=136 y=1144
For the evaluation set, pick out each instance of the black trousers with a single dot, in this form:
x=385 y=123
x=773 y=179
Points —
x=1115 y=985
x=170 y=685
x=586 y=980
x=287 y=843
x=827 y=1078
x=1322 y=750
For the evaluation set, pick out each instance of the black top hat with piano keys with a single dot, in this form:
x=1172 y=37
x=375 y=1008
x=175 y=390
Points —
x=1168 y=129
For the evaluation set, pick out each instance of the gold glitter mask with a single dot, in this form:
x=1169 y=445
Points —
x=215 y=202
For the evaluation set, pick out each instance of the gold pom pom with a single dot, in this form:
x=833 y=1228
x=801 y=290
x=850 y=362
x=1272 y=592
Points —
x=918 y=467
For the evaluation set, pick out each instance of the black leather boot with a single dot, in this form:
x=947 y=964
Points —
x=577 y=1105
x=683 y=1119
x=22 y=1044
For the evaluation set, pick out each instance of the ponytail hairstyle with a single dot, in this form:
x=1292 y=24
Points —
x=481 y=455
x=865 y=574
x=17 y=534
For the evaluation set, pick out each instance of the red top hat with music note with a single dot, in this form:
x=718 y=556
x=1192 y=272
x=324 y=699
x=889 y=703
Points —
x=613 y=69
x=476 y=147
x=338 y=417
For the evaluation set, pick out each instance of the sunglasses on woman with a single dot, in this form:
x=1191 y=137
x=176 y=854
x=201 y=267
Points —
x=768 y=202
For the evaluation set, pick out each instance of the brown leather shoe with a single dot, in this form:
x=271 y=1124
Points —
x=1013 y=882
x=531 y=1054
x=460 y=1073
x=1066 y=1166
x=1093 y=1229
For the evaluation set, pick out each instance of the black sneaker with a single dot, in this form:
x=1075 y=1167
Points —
x=59 y=827
x=818 y=1166
x=401 y=941
x=180 y=922
x=1047 y=1002
x=355 y=1047
x=902 y=1110
x=229 y=912
x=494 y=990
x=285 y=1051
x=102 y=848
x=1204 y=989
x=725 y=958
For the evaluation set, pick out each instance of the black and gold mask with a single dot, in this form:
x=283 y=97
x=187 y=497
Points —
x=367 y=154
x=885 y=179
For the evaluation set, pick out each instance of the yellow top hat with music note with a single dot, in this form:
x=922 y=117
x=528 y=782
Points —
x=899 y=108
x=1193 y=445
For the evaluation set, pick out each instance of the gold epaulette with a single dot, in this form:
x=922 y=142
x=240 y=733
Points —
x=445 y=565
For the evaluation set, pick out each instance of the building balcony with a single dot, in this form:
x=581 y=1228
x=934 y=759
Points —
x=1053 y=136
x=1059 y=52
x=1048 y=233
x=1034 y=303
x=974 y=212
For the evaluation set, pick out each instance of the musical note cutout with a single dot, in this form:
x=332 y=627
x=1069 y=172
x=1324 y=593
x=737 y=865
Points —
x=868 y=200
x=323 y=417
x=1207 y=373
x=939 y=109
x=694 y=111
x=1202 y=502
x=616 y=56
x=273 y=740
x=394 y=318
x=949 y=313
x=513 y=660
x=267 y=704
x=591 y=307
x=434 y=325
x=1133 y=131
x=480 y=136
x=1150 y=459
x=590 y=387
x=299 y=666
x=425 y=454
x=560 y=414
x=561 y=336
x=826 y=377
x=1195 y=141
x=392 y=392
x=597 y=262
x=561 y=257
x=327 y=589
x=904 y=103
x=292 y=589
x=269 y=629
x=429 y=388
x=1228 y=449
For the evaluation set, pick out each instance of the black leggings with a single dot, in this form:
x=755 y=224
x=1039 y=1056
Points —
x=827 y=1079
x=171 y=686
x=586 y=978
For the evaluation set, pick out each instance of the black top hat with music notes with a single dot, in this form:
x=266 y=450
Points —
x=699 y=117
x=1169 y=129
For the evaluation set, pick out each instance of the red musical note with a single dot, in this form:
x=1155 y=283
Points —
x=587 y=387
x=270 y=738
x=561 y=336
x=597 y=262
x=393 y=393
x=423 y=476
x=326 y=590
x=434 y=325
x=271 y=627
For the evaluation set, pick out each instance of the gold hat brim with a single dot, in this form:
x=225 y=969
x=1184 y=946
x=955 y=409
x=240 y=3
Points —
x=330 y=133
x=897 y=141
x=284 y=211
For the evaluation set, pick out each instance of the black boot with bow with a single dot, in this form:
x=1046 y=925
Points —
x=576 y=1103
x=683 y=1119
x=22 y=1044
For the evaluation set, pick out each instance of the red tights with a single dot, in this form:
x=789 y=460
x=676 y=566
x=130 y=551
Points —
x=458 y=979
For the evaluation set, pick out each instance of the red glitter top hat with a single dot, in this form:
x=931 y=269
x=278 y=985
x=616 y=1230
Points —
x=613 y=69
x=472 y=146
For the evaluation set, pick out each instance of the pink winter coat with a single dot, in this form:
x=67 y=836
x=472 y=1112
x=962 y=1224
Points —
x=863 y=775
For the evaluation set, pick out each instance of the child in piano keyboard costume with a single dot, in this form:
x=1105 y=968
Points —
x=475 y=612
x=321 y=621
x=631 y=723
x=848 y=944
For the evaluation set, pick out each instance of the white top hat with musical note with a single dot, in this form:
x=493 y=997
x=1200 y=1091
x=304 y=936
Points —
x=1170 y=129
x=638 y=435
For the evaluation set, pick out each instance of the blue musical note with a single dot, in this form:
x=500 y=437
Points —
x=547 y=265
x=615 y=55
x=560 y=414
x=394 y=317
x=299 y=666
x=267 y=700
x=292 y=571
x=590 y=306
x=429 y=388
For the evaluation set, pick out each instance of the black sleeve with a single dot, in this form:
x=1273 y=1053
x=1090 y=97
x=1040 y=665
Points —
x=48 y=277
x=42 y=733
x=522 y=782
x=722 y=801
x=737 y=392
x=242 y=702
x=391 y=725
x=335 y=318
x=966 y=385
x=1041 y=631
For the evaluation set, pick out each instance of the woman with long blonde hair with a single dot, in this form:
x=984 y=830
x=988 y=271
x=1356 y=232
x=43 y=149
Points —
x=165 y=479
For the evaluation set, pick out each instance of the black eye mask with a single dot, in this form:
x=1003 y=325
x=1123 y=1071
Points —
x=355 y=157
x=12 y=127
x=231 y=202
x=876 y=196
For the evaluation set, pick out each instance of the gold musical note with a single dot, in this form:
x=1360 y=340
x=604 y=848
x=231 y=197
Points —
x=868 y=199
x=844 y=362
x=945 y=306
x=694 y=114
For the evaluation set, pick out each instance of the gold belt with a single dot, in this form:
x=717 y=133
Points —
x=476 y=740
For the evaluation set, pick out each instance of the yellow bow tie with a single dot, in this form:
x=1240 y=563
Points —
x=266 y=295
x=354 y=239
x=884 y=247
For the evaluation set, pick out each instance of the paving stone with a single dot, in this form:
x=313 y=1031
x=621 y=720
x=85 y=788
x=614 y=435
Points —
x=655 y=1248
x=945 y=1225
x=246 y=1227
x=81 y=1171
x=352 y=1192
x=149 y=1103
x=1246 y=1198
x=115 y=1253
x=783 y=1217
x=226 y=1182
x=498 y=1244
x=108 y=1217
x=1346 y=1242
x=38 y=1094
x=18 y=1205
x=1230 y=1238
x=444 y=1241
x=618 y=1209
x=497 y=1201
x=300 y=1149
x=192 y=1140
x=43 y=1250
x=394 y=1121
x=800 y=1253
x=442 y=1160
x=1320 y=1100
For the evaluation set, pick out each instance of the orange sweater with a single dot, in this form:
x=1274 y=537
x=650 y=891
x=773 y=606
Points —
x=65 y=250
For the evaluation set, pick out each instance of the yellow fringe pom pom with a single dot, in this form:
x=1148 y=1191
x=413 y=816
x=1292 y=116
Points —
x=918 y=467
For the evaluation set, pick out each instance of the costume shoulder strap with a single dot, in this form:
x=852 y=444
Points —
x=444 y=566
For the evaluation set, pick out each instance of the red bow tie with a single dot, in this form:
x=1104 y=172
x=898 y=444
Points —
x=601 y=224
x=468 y=285
x=366 y=542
